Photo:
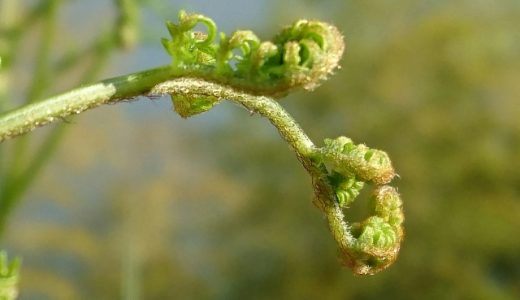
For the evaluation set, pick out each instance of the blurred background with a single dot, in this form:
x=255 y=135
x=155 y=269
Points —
x=132 y=202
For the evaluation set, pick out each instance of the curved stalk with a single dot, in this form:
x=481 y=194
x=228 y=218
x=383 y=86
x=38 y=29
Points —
x=29 y=117
x=201 y=75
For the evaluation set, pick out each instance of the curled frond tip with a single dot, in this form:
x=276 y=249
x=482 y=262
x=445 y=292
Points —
x=377 y=240
x=300 y=56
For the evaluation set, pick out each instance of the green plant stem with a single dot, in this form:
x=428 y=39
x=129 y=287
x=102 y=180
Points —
x=157 y=82
x=265 y=106
x=16 y=184
x=40 y=79
x=127 y=23
x=8 y=14
x=42 y=73
x=12 y=29
x=29 y=117
x=39 y=113
x=45 y=151
x=289 y=129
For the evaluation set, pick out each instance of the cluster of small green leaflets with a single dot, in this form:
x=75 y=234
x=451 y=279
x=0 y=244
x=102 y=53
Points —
x=300 y=56
x=349 y=159
x=378 y=238
x=375 y=242
x=9 y=276
x=345 y=188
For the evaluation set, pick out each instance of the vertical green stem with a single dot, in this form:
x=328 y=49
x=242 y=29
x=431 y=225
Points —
x=131 y=271
x=128 y=22
x=12 y=192
x=42 y=75
x=51 y=142
x=8 y=13
x=68 y=104
x=39 y=83
x=12 y=184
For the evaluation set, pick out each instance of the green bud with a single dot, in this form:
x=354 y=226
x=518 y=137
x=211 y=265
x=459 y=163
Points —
x=349 y=159
x=191 y=50
x=388 y=205
x=376 y=240
x=189 y=105
x=301 y=56
x=346 y=188
x=375 y=235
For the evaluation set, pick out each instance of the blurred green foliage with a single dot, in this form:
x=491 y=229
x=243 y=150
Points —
x=137 y=200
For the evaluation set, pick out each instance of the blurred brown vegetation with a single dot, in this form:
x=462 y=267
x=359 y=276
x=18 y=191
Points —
x=137 y=202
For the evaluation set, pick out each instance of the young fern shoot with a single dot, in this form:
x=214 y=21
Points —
x=300 y=56
x=204 y=72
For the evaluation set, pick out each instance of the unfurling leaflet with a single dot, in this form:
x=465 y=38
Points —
x=373 y=244
x=377 y=238
x=349 y=159
x=345 y=188
x=300 y=56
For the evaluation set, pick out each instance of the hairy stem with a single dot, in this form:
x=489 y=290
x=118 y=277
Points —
x=307 y=153
x=40 y=82
x=29 y=117
x=16 y=184
x=265 y=106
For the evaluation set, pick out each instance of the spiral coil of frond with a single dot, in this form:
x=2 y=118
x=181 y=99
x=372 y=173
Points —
x=300 y=56
x=373 y=244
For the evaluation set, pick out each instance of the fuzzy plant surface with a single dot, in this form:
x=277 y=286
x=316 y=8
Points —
x=208 y=67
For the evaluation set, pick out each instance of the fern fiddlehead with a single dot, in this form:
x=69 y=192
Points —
x=369 y=246
x=300 y=56
x=378 y=238
x=251 y=72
